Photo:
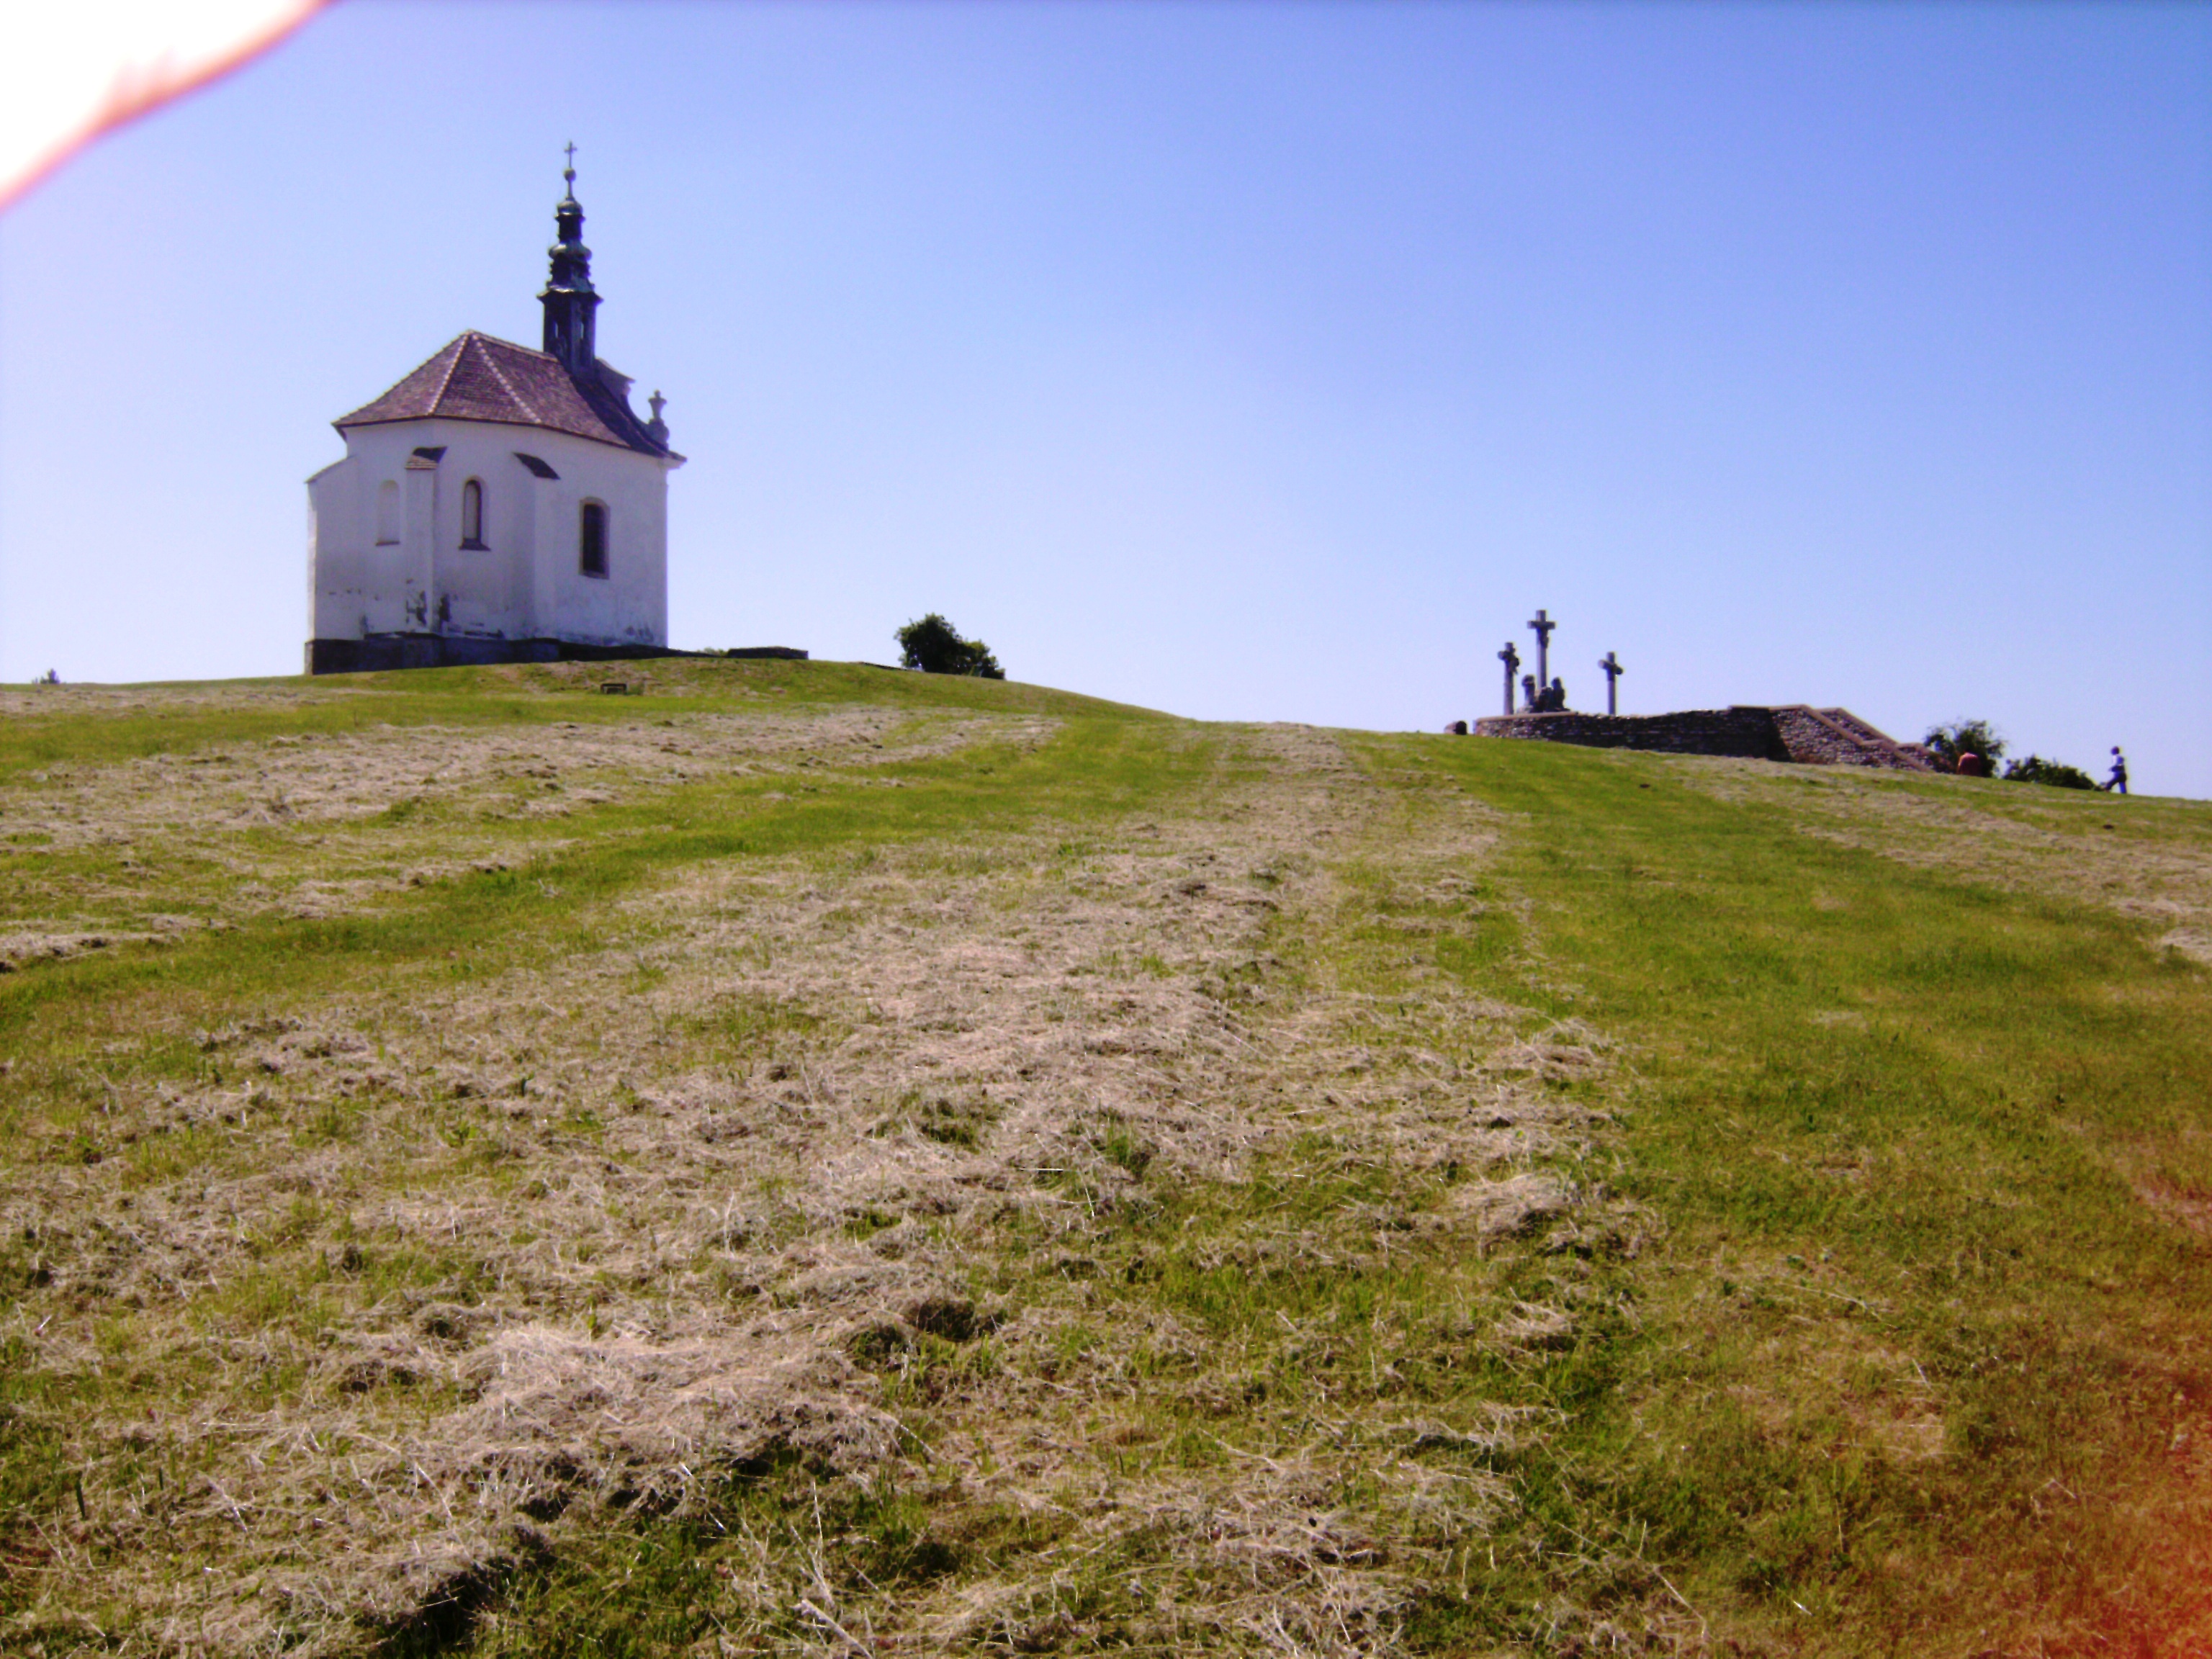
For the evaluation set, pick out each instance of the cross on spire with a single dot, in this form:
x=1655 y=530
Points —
x=570 y=299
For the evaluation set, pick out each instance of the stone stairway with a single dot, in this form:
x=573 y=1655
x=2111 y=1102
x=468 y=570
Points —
x=1836 y=737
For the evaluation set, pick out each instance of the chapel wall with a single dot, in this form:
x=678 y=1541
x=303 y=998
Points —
x=629 y=604
x=526 y=582
x=359 y=587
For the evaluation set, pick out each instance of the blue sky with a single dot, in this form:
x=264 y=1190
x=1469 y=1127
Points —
x=1253 y=361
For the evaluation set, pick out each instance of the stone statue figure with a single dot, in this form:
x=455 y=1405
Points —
x=1530 y=702
x=1552 y=700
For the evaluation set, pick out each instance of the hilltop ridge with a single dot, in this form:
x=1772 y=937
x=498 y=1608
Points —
x=810 y=1158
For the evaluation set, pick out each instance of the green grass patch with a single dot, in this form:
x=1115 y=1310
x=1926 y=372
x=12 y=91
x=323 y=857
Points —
x=1916 y=1341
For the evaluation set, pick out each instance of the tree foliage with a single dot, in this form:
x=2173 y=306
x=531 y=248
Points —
x=2057 y=774
x=1978 y=737
x=934 y=646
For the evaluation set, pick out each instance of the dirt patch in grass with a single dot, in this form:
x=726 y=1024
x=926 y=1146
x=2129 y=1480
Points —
x=2195 y=943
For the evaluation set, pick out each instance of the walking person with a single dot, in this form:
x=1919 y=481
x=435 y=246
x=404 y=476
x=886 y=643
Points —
x=2117 y=783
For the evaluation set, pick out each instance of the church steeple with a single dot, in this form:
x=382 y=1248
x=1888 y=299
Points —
x=569 y=300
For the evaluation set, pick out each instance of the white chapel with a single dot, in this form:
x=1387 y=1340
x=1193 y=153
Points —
x=498 y=504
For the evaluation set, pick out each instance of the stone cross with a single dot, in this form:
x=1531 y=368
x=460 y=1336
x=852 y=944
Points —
x=1543 y=626
x=1511 y=659
x=1613 y=671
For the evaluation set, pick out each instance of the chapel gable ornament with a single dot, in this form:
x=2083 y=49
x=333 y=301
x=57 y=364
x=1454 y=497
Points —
x=497 y=504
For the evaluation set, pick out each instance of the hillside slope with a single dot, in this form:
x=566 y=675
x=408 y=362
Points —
x=815 y=1160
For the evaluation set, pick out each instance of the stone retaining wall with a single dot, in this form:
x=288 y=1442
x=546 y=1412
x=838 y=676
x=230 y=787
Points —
x=1745 y=732
x=1796 y=731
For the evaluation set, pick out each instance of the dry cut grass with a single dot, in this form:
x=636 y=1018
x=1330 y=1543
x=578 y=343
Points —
x=1118 y=1190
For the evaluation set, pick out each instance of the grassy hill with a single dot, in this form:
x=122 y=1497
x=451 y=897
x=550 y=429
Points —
x=813 y=1159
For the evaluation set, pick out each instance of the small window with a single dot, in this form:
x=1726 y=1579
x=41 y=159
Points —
x=592 y=541
x=387 y=513
x=472 y=514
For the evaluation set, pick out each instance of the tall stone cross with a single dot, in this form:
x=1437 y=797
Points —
x=1543 y=625
x=1511 y=659
x=1613 y=671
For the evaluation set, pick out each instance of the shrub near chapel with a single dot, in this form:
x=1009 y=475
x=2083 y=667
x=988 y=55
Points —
x=934 y=646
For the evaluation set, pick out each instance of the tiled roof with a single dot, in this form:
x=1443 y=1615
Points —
x=478 y=378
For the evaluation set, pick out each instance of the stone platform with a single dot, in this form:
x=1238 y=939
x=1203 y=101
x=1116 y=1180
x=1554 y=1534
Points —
x=1790 y=731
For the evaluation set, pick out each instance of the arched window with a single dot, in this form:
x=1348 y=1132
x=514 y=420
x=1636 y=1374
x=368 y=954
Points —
x=387 y=513
x=592 y=540
x=472 y=514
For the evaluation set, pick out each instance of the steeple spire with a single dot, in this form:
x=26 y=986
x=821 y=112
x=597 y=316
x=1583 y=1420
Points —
x=569 y=300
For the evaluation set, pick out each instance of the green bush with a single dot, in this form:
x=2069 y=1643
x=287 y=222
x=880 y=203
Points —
x=2057 y=774
x=933 y=646
x=1947 y=742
